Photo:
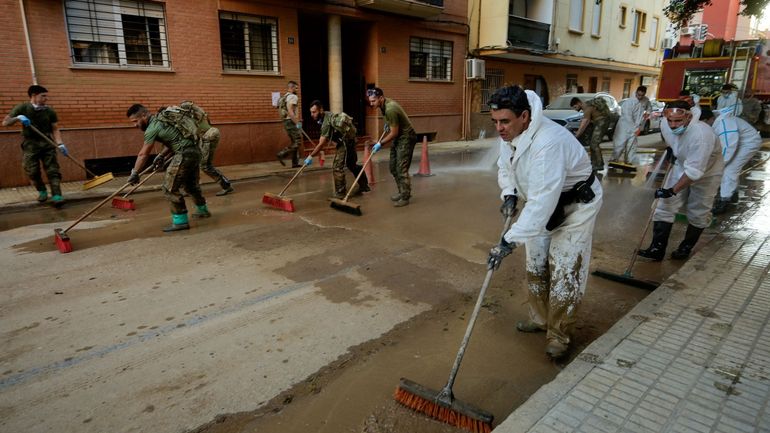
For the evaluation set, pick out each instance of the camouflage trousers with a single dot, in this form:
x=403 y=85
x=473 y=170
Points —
x=209 y=143
x=400 y=160
x=40 y=152
x=295 y=138
x=346 y=156
x=183 y=172
x=592 y=137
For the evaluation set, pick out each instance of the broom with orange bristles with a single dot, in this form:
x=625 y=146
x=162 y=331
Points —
x=280 y=202
x=126 y=203
x=442 y=405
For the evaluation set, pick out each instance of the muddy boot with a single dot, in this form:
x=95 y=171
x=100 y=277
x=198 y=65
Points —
x=395 y=197
x=556 y=349
x=227 y=188
x=42 y=196
x=734 y=198
x=529 y=326
x=720 y=206
x=178 y=222
x=401 y=202
x=660 y=233
x=690 y=239
x=202 y=211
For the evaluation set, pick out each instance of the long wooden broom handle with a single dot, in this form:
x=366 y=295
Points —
x=130 y=191
x=51 y=142
x=101 y=203
x=360 y=173
x=317 y=146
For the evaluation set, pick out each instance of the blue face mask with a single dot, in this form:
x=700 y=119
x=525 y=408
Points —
x=679 y=130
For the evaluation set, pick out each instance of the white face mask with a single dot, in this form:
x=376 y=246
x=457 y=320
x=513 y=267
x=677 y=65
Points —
x=680 y=130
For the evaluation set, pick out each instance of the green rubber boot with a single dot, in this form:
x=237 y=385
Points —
x=202 y=212
x=178 y=222
x=57 y=200
x=42 y=196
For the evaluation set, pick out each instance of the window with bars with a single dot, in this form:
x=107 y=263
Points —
x=249 y=42
x=117 y=32
x=430 y=59
x=493 y=80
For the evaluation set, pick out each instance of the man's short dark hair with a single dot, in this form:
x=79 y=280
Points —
x=642 y=89
x=136 y=109
x=293 y=83
x=684 y=93
x=706 y=114
x=374 y=91
x=729 y=86
x=574 y=101
x=511 y=97
x=317 y=103
x=36 y=90
x=678 y=104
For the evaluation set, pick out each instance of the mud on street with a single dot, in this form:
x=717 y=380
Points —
x=261 y=320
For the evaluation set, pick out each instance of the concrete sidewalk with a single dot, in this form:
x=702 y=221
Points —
x=694 y=356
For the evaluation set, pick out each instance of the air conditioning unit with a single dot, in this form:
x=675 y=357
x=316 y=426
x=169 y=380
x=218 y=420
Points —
x=689 y=30
x=474 y=69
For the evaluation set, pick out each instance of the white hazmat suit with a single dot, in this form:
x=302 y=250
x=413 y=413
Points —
x=626 y=132
x=538 y=165
x=739 y=141
x=730 y=101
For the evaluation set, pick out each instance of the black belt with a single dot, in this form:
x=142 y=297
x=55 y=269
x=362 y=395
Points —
x=581 y=192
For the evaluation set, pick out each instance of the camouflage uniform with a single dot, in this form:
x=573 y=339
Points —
x=339 y=128
x=183 y=170
x=600 y=118
x=36 y=150
x=292 y=131
x=402 y=148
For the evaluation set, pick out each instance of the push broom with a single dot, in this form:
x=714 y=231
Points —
x=126 y=203
x=96 y=181
x=442 y=405
x=280 y=202
x=622 y=165
x=60 y=236
x=344 y=205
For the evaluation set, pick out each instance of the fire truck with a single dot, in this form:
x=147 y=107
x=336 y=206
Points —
x=702 y=69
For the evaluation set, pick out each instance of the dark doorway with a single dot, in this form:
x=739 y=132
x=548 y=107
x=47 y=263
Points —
x=537 y=84
x=592 y=84
x=313 y=67
x=354 y=42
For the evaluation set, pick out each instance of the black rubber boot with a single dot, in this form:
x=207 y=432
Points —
x=227 y=188
x=720 y=206
x=281 y=155
x=661 y=230
x=690 y=239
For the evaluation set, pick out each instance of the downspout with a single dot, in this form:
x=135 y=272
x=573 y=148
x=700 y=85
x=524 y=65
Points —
x=26 y=39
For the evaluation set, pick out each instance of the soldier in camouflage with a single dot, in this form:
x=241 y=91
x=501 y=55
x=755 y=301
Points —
x=398 y=129
x=288 y=110
x=183 y=169
x=596 y=118
x=36 y=149
x=339 y=128
x=209 y=136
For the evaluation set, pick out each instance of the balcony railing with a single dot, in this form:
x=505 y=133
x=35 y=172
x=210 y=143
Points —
x=526 y=33
x=414 y=8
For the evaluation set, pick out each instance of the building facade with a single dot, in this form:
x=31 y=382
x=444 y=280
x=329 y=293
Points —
x=561 y=46
x=232 y=57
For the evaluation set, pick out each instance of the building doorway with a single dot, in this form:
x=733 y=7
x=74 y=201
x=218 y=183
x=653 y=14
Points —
x=537 y=84
x=592 y=84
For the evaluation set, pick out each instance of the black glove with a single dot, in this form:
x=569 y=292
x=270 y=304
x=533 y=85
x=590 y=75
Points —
x=157 y=163
x=669 y=155
x=508 y=208
x=664 y=193
x=134 y=178
x=498 y=253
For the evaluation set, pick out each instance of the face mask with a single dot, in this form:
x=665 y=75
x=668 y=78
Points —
x=679 y=130
x=39 y=107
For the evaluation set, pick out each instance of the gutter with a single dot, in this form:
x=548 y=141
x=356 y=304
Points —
x=27 y=40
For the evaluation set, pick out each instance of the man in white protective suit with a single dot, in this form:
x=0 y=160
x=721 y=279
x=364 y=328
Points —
x=629 y=126
x=728 y=99
x=692 y=181
x=544 y=165
x=739 y=141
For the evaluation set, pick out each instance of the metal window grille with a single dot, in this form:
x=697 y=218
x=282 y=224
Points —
x=572 y=83
x=430 y=59
x=493 y=80
x=249 y=43
x=626 y=88
x=117 y=32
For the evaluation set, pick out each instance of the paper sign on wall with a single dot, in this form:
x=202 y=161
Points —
x=275 y=97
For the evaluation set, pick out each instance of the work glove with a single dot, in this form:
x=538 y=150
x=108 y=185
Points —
x=498 y=253
x=24 y=120
x=669 y=155
x=134 y=178
x=386 y=127
x=158 y=162
x=508 y=208
x=376 y=148
x=308 y=161
x=299 y=125
x=664 y=193
x=63 y=149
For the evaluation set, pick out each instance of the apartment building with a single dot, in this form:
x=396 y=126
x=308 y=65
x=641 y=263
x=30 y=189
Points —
x=560 y=46
x=97 y=57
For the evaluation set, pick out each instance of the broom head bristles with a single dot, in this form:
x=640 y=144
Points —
x=621 y=166
x=346 y=206
x=278 y=202
x=458 y=414
x=98 y=180
x=62 y=241
x=123 y=203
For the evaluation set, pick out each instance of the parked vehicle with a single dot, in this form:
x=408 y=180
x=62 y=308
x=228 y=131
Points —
x=562 y=113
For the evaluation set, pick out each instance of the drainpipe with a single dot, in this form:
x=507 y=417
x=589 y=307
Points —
x=29 y=45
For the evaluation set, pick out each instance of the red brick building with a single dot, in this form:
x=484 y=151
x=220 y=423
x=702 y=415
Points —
x=97 y=57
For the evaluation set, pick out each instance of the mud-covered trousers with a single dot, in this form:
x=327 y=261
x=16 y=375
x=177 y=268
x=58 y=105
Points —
x=557 y=270
x=592 y=137
x=295 y=138
x=698 y=198
x=346 y=156
x=400 y=160
x=36 y=152
x=208 y=147
x=183 y=172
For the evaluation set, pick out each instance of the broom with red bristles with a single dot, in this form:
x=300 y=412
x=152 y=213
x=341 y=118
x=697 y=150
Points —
x=126 y=203
x=280 y=202
x=442 y=405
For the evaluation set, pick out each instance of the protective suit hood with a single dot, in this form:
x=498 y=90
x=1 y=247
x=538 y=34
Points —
x=524 y=140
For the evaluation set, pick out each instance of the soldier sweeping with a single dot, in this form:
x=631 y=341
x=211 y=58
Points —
x=596 y=117
x=288 y=110
x=339 y=129
x=36 y=150
x=209 y=137
x=180 y=138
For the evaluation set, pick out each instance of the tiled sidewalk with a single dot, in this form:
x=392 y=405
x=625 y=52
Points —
x=694 y=356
